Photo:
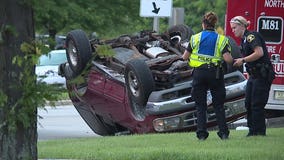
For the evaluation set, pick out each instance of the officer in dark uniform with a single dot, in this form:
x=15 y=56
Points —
x=205 y=53
x=261 y=74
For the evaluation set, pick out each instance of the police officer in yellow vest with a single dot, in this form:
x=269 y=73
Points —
x=205 y=53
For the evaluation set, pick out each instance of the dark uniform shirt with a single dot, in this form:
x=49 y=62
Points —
x=262 y=67
x=251 y=40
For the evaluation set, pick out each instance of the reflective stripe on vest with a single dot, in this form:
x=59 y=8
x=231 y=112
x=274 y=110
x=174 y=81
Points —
x=197 y=59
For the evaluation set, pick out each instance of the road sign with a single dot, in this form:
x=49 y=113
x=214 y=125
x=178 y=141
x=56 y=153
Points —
x=156 y=8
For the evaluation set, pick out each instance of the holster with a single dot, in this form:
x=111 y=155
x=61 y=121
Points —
x=262 y=70
x=218 y=72
x=271 y=74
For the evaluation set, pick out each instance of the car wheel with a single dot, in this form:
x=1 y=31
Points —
x=95 y=122
x=181 y=30
x=139 y=83
x=78 y=50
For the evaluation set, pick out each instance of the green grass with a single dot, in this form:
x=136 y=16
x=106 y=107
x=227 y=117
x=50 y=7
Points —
x=171 y=146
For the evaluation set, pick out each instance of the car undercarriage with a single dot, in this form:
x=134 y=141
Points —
x=139 y=83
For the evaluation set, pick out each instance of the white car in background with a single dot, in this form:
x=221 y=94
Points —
x=47 y=68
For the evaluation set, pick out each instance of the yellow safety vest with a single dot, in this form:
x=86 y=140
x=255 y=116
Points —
x=196 y=59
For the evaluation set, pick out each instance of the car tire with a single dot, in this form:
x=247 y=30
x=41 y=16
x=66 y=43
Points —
x=78 y=50
x=139 y=83
x=182 y=30
x=95 y=122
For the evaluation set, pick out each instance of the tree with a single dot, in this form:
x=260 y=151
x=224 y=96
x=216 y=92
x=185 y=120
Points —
x=107 y=18
x=114 y=17
x=18 y=121
x=195 y=9
x=20 y=92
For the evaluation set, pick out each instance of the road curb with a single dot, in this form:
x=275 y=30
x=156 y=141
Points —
x=60 y=103
x=275 y=122
x=270 y=123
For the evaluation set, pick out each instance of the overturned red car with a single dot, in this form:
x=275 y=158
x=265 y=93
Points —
x=139 y=83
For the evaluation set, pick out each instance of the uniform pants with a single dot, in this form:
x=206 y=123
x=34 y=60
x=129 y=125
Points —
x=204 y=79
x=257 y=93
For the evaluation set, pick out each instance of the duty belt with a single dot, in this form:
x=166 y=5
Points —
x=212 y=68
x=207 y=65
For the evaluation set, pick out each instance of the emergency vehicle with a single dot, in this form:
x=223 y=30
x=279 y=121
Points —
x=266 y=17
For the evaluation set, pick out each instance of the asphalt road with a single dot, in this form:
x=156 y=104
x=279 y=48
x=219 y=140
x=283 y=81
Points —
x=62 y=122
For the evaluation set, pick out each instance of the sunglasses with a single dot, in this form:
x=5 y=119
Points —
x=235 y=20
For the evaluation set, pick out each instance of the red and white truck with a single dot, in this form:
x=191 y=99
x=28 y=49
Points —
x=266 y=17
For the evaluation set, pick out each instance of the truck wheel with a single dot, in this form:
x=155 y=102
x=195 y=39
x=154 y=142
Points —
x=139 y=83
x=181 y=30
x=78 y=50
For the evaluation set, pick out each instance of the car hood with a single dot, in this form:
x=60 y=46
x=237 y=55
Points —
x=49 y=75
x=46 y=70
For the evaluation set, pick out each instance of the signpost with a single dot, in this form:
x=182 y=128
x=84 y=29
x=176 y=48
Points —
x=156 y=9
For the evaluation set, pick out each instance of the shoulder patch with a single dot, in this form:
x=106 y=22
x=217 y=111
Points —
x=250 y=38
